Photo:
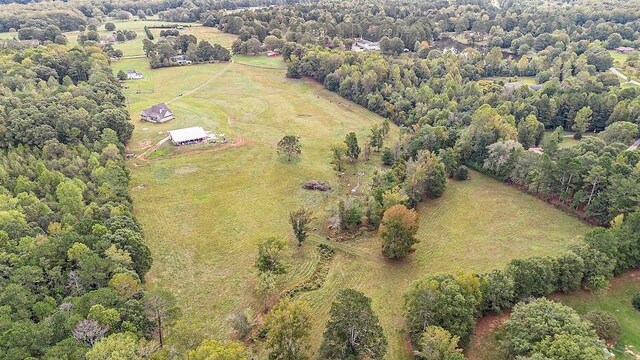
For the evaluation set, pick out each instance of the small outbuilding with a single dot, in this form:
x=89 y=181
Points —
x=134 y=75
x=187 y=136
x=158 y=113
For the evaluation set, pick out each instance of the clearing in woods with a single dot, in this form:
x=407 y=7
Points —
x=205 y=208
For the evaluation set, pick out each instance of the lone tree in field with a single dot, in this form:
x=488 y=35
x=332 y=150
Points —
x=270 y=256
x=289 y=146
x=376 y=138
x=121 y=75
x=161 y=307
x=288 y=330
x=353 y=150
x=353 y=331
x=300 y=220
x=337 y=160
x=109 y=26
x=398 y=231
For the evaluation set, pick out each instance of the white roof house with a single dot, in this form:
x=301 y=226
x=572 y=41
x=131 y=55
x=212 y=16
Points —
x=187 y=135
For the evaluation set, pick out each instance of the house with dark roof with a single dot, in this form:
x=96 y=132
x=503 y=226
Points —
x=157 y=113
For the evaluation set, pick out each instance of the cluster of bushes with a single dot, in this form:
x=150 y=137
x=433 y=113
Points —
x=124 y=35
x=454 y=301
x=169 y=32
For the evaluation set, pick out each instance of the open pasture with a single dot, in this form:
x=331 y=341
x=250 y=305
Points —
x=205 y=209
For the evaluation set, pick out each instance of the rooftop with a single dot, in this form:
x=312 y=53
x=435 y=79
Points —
x=187 y=134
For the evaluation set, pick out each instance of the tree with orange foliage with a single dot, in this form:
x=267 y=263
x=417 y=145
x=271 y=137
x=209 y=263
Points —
x=398 y=232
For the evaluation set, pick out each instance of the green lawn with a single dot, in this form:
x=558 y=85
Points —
x=617 y=300
x=205 y=208
x=261 y=61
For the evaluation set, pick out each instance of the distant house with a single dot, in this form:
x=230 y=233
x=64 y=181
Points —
x=365 y=45
x=158 y=114
x=134 y=75
x=187 y=136
x=273 y=53
x=625 y=49
x=180 y=60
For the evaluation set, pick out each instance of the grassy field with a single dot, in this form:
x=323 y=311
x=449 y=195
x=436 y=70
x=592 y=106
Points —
x=205 y=208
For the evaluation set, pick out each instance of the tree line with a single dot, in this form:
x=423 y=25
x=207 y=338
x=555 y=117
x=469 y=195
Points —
x=72 y=255
x=163 y=53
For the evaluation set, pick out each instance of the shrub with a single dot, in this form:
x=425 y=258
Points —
x=636 y=301
x=606 y=325
x=462 y=173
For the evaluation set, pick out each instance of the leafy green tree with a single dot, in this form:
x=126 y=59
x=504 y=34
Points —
x=398 y=232
x=300 y=220
x=582 y=122
x=288 y=330
x=376 y=139
x=109 y=26
x=498 y=289
x=353 y=330
x=437 y=343
x=270 y=253
x=162 y=308
x=530 y=131
x=218 y=350
x=70 y=198
x=623 y=132
x=571 y=346
x=337 y=160
x=353 y=150
x=121 y=75
x=534 y=276
x=440 y=300
x=569 y=268
x=532 y=323
x=289 y=146
x=121 y=346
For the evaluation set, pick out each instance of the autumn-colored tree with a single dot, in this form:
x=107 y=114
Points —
x=397 y=231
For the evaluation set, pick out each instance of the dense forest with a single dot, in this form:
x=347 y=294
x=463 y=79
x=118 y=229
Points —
x=72 y=256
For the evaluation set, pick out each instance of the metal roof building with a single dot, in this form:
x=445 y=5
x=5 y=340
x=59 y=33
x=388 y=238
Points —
x=187 y=135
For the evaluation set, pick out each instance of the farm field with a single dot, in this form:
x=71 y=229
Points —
x=204 y=209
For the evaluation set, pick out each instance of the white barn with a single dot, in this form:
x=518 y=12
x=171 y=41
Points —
x=187 y=136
